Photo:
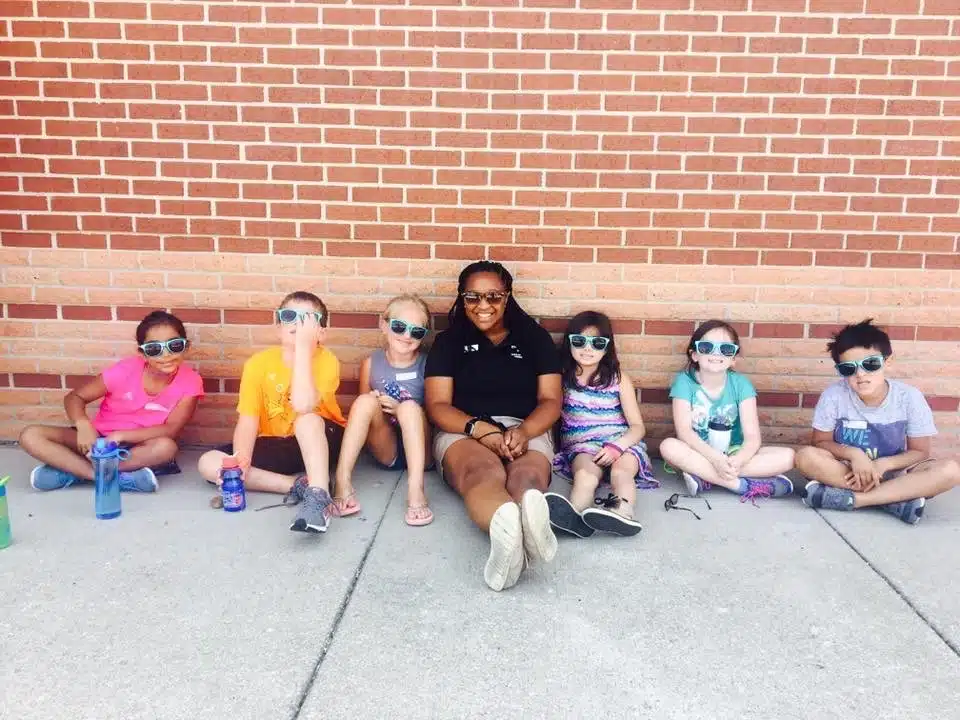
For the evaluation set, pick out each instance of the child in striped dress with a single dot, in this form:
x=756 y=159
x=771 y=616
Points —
x=601 y=431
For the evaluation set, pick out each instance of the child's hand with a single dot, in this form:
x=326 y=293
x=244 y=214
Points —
x=86 y=436
x=307 y=330
x=863 y=473
x=387 y=404
x=116 y=437
x=605 y=457
x=725 y=469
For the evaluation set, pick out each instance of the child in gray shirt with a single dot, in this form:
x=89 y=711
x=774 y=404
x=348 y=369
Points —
x=871 y=435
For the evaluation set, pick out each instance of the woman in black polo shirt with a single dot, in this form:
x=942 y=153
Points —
x=493 y=392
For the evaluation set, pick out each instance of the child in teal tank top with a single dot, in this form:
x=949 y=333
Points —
x=718 y=429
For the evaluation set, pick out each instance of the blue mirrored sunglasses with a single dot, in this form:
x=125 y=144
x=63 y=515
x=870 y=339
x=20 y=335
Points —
x=870 y=364
x=288 y=316
x=727 y=349
x=401 y=327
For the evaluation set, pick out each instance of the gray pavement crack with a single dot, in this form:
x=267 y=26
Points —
x=893 y=586
x=342 y=609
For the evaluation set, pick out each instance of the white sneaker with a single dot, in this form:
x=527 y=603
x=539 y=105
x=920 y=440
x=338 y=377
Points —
x=505 y=563
x=538 y=539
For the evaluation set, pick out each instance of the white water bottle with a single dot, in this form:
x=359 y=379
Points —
x=718 y=435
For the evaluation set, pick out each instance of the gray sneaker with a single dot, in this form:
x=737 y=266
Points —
x=312 y=516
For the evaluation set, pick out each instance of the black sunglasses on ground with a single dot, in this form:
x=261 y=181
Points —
x=673 y=503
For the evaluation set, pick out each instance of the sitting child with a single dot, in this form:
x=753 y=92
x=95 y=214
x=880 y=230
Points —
x=871 y=435
x=388 y=416
x=601 y=432
x=290 y=425
x=718 y=428
x=146 y=401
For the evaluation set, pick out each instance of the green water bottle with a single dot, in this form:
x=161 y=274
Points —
x=5 y=537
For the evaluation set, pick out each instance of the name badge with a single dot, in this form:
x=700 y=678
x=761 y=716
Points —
x=406 y=376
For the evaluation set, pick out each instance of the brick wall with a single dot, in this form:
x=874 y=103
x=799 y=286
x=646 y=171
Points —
x=786 y=164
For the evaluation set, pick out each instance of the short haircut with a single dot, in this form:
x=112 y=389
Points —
x=862 y=335
x=159 y=318
x=308 y=297
x=408 y=299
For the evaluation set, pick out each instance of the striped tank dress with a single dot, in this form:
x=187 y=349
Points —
x=590 y=417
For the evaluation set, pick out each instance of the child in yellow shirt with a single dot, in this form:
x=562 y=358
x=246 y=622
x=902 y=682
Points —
x=290 y=426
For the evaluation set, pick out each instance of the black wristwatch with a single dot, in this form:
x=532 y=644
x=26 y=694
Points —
x=471 y=423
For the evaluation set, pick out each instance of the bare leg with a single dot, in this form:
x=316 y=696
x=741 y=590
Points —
x=365 y=424
x=312 y=439
x=586 y=479
x=478 y=475
x=769 y=461
x=150 y=453
x=927 y=481
x=685 y=458
x=256 y=480
x=411 y=419
x=622 y=478
x=529 y=471
x=57 y=447
x=818 y=464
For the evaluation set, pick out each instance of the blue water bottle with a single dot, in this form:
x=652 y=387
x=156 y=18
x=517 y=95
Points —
x=106 y=458
x=5 y=538
x=234 y=495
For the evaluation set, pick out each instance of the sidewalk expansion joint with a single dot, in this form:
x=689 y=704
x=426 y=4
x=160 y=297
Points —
x=342 y=609
x=896 y=588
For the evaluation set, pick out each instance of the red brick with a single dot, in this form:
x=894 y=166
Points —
x=668 y=327
x=37 y=380
x=778 y=330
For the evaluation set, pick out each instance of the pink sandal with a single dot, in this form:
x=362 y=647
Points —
x=416 y=517
x=346 y=506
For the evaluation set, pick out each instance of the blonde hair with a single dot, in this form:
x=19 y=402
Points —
x=411 y=299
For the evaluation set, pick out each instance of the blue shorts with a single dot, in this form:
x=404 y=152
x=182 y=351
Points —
x=399 y=462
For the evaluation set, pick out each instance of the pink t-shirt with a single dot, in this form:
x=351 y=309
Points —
x=126 y=406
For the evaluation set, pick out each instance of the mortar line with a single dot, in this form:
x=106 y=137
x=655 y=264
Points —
x=896 y=588
x=344 y=604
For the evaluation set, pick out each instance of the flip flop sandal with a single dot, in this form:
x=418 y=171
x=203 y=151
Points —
x=414 y=521
x=345 y=506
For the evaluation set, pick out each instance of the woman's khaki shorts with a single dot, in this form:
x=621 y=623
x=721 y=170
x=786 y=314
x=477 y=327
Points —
x=442 y=441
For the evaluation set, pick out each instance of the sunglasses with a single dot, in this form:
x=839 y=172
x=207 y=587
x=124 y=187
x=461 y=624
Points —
x=288 y=316
x=156 y=348
x=492 y=297
x=401 y=327
x=727 y=349
x=870 y=364
x=581 y=341
x=673 y=503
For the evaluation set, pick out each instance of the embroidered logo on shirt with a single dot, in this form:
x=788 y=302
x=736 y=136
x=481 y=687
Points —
x=471 y=348
x=156 y=407
x=515 y=352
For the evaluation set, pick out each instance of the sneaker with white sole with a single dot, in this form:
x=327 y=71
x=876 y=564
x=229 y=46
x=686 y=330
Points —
x=47 y=477
x=606 y=518
x=314 y=510
x=505 y=563
x=142 y=480
x=564 y=516
x=695 y=484
x=539 y=542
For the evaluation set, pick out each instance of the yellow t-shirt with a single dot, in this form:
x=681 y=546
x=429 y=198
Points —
x=265 y=390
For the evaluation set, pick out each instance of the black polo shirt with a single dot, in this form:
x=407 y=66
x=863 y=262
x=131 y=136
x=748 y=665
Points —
x=493 y=379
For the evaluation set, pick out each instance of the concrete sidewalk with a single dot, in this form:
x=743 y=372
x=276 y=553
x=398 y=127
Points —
x=179 y=611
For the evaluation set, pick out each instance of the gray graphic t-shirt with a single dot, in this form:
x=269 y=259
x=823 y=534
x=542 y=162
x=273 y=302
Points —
x=878 y=431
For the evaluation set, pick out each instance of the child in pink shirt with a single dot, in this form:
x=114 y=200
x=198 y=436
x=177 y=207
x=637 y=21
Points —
x=147 y=400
